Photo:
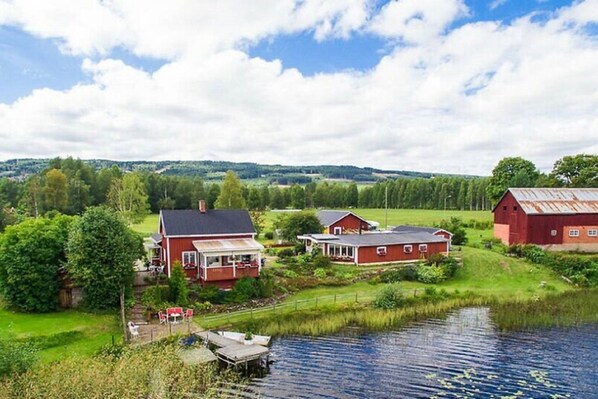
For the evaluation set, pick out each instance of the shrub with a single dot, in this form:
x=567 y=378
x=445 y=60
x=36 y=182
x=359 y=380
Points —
x=289 y=274
x=321 y=262
x=210 y=293
x=200 y=307
x=269 y=235
x=285 y=253
x=320 y=273
x=16 y=357
x=155 y=297
x=177 y=284
x=390 y=297
x=430 y=274
x=299 y=248
x=265 y=283
x=245 y=288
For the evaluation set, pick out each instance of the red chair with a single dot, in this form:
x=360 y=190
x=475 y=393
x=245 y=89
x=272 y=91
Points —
x=188 y=316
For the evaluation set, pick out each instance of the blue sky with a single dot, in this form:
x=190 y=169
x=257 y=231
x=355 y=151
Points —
x=485 y=78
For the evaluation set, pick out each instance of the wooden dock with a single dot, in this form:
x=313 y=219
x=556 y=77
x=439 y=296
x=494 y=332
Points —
x=233 y=353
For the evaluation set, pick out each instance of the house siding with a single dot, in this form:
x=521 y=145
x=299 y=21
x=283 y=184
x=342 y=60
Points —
x=395 y=253
x=349 y=224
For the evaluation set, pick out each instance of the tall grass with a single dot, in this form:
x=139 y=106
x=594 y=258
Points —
x=148 y=372
x=332 y=319
x=555 y=310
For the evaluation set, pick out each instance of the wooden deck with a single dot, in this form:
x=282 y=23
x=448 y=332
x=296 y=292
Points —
x=233 y=353
x=154 y=332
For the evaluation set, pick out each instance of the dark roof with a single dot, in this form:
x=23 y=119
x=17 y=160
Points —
x=377 y=239
x=555 y=201
x=191 y=222
x=328 y=217
x=414 y=229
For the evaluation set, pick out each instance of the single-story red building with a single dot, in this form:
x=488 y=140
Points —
x=215 y=247
x=557 y=218
x=437 y=231
x=342 y=222
x=371 y=248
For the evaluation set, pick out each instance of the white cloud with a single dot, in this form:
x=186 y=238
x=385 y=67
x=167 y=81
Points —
x=450 y=102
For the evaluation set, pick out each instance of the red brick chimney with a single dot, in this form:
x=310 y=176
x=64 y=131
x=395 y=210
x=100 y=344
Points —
x=202 y=206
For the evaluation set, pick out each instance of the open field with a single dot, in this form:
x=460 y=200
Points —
x=91 y=331
x=422 y=217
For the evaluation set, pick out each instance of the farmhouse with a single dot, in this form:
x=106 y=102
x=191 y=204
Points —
x=371 y=248
x=557 y=218
x=214 y=246
x=342 y=222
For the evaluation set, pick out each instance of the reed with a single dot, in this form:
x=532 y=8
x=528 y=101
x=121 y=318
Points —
x=332 y=319
x=147 y=372
x=567 y=309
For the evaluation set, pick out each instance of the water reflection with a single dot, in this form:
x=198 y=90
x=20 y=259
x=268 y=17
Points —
x=457 y=357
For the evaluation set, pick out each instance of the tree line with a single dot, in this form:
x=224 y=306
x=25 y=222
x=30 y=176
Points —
x=68 y=186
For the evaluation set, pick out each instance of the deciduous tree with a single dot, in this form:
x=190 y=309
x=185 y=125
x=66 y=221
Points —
x=577 y=171
x=128 y=197
x=231 y=196
x=511 y=172
x=101 y=251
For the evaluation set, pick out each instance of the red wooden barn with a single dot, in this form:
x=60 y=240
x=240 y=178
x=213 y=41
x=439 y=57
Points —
x=342 y=222
x=214 y=246
x=387 y=247
x=558 y=218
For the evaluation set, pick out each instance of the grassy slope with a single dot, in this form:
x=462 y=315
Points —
x=97 y=330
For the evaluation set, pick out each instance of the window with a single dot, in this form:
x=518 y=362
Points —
x=408 y=249
x=381 y=251
x=338 y=230
x=504 y=208
x=189 y=259
x=213 y=261
x=592 y=233
x=340 y=251
x=553 y=233
x=573 y=233
x=515 y=208
x=423 y=247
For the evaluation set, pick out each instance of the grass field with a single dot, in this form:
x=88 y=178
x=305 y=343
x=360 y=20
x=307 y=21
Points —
x=96 y=330
x=422 y=217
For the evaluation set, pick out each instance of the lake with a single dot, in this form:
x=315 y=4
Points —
x=461 y=356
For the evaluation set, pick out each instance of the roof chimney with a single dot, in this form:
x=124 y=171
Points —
x=202 y=206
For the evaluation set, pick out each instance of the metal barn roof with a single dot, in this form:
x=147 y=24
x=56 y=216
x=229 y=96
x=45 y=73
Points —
x=556 y=201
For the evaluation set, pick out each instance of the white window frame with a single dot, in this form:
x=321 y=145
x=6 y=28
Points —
x=592 y=232
x=381 y=251
x=208 y=263
x=338 y=230
x=574 y=233
x=189 y=255
x=341 y=251
x=553 y=233
x=408 y=249
x=423 y=247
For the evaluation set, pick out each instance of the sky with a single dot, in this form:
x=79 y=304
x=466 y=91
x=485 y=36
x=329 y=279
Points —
x=445 y=86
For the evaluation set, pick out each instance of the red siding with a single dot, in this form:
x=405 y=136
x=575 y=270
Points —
x=536 y=229
x=349 y=224
x=395 y=253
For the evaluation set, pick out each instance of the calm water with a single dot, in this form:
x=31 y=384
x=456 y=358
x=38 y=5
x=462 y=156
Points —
x=458 y=357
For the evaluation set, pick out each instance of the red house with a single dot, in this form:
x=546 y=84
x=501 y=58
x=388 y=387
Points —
x=371 y=248
x=342 y=222
x=437 y=231
x=557 y=218
x=215 y=247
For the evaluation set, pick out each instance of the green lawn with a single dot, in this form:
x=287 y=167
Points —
x=97 y=330
x=423 y=217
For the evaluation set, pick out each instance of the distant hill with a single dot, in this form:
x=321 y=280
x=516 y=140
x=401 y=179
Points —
x=214 y=170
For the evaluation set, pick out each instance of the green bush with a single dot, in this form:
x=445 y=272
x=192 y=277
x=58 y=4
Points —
x=289 y=274
x=155 y=297
x=16 y=357
x=209 y=293
x=404 y=273
x=245 y=288
x=390 y=297
x=177 y=284
x=269 y=235
x=320 y=273
x=321 y=262
x=265 y=283
x=430 y=274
